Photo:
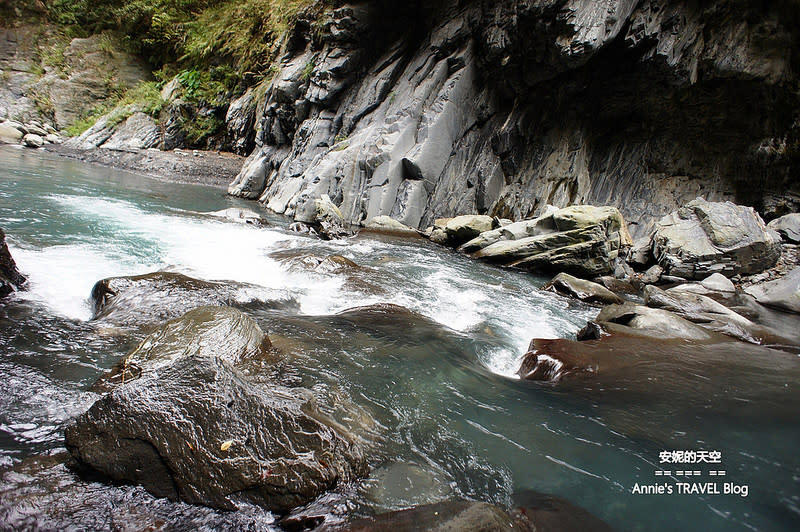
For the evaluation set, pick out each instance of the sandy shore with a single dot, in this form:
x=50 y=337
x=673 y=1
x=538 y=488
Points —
x=182 y=166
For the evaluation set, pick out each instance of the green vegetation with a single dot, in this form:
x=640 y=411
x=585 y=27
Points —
x=144 y=97
x=210 y=46
x=188 y=33
x=308 y=69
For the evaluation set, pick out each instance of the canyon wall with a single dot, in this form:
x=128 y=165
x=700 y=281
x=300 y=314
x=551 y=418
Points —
x=436 y=109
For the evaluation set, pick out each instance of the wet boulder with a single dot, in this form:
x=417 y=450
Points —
x=11 y=279
x=587 y=291
x=704 y=237
x=135 y=301
x=545 y=362
x=204 y=332
x=783 y=293
x=582 y=240
x=788 y=227
x=197 y=431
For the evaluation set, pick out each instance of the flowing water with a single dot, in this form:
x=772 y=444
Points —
x=433 y=393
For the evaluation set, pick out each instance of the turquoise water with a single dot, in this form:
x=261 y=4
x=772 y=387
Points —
x=433 y=397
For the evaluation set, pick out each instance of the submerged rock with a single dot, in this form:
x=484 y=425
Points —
x=702 y=238
x=582 y=240
x=204 y=332
x=398 y=485
x=195 y=430
x=443 y=516
x=545 y=512
x=10 y=278
x=531 y=512
x=584 y=290
x=155 y=297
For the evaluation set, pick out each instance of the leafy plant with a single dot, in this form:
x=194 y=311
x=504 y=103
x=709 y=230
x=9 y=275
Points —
x=308 y=69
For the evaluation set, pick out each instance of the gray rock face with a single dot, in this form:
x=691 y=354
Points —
x=787 y=226
x=582 y=240
x=465 y=117
x=581 y=289
x=195 y=430
x=704 y=238
x=66 y=92
x=10 y=278
x=782 y=293
x=139 y=131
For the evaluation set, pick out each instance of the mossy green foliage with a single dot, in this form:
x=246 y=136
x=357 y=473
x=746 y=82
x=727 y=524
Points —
x=208 y=44
x=189 y=33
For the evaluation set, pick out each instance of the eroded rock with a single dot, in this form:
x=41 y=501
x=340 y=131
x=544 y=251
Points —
x=582 y=240
x=704 y=237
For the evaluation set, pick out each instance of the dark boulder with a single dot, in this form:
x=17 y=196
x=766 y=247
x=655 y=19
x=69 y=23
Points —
x=197 y=431
x=10 y=278
x=204 y=332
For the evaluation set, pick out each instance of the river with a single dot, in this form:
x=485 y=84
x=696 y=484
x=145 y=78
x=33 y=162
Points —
x=435 y=394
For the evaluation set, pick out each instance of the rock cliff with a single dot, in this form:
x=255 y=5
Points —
x=436 y=109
